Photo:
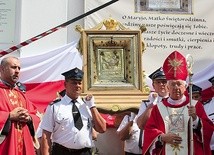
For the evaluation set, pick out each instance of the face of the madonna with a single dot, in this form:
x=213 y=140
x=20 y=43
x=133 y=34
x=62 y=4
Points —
x=176 y=88
x=160 y=87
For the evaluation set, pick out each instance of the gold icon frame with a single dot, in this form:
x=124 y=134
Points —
x=112 y=65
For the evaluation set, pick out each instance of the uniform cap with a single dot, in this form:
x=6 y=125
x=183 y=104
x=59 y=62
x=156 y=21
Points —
x=74 y=73
x=195 y=89
x=158 y=74
x=175 y=67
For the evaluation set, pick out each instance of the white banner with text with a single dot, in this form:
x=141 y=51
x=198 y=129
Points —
x=185 y=26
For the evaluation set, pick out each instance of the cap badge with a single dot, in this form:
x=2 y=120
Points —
x=76 y=70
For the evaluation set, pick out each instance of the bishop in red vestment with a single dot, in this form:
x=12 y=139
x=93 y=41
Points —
x=167 y=131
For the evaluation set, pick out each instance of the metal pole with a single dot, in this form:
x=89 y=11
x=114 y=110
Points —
x=27 y=42
x=189 y=60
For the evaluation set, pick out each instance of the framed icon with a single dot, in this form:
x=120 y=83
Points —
x=113 y=61
x=112 y=64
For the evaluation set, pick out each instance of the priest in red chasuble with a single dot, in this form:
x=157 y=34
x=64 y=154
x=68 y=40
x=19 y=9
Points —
x=17 y=134
x=168 y=130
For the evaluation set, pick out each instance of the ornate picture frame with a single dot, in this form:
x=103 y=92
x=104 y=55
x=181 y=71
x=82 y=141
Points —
x=113 y=60
x=112 y=65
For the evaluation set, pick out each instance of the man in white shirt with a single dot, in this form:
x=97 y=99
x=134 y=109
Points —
x=159 y=84
x=129 y=132
x=68 y=122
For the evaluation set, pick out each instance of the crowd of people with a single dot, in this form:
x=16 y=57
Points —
x=68 y=125
x=169 y=122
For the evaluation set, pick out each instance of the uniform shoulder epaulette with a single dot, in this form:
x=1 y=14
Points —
x=55 y=101
x=21 y=87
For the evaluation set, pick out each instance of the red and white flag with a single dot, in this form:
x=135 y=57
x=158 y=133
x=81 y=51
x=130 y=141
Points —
x=201 y=79
x=42 y=73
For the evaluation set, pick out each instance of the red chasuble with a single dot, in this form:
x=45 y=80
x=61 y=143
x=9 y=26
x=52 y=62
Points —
x=155 y=126
x=19 y=140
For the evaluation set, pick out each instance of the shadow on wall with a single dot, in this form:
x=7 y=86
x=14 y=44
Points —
x=109 y=143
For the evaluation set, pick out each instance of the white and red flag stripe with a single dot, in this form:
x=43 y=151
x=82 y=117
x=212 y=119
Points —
x=42 y=73
x=201 y=79
x=29 y=41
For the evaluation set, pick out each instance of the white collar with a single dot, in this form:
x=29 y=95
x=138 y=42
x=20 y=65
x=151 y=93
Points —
x=68 y=99
x=173 y=102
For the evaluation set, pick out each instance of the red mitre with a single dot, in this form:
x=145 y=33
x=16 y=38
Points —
x=175 y=67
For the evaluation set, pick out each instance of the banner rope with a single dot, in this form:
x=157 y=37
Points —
x=27 y=42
